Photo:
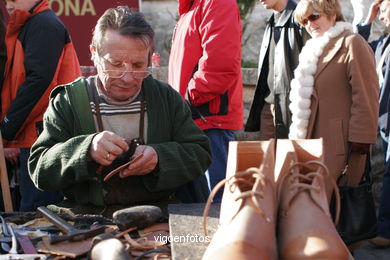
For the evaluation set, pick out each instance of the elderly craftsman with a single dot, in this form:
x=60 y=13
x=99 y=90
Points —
x=89 y=123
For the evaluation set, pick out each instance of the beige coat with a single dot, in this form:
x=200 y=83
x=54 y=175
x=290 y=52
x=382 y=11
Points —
x=344 y=104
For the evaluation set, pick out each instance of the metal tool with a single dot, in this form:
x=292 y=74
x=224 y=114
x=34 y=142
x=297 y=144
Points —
x=13 y=252
x=70 y=233
x=14 y=248
x=4 y=245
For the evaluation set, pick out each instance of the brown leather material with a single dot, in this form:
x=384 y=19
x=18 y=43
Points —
x=305 y=227
x=248 y=209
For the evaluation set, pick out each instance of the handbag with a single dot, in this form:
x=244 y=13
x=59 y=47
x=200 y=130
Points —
x=357 y=220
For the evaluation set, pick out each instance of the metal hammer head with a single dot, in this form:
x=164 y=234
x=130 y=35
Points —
x=71 y=233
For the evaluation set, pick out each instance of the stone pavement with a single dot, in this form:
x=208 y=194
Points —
x=185 y=221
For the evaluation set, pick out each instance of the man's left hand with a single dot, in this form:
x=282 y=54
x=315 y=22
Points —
x=144 y=165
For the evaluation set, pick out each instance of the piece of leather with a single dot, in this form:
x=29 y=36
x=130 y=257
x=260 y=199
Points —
x=66 y=248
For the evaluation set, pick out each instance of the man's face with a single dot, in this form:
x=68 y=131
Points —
x=121 y=53
x=269 y=4
x=23 y=5
x=384 y=11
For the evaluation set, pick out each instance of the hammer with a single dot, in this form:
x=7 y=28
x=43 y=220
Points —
x=71 y=233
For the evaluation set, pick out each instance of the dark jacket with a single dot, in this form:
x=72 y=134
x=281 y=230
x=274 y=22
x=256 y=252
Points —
x=292 y=37
x=379 y=47
x=40 y=56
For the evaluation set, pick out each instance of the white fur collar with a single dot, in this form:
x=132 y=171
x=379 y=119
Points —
x=303 y=82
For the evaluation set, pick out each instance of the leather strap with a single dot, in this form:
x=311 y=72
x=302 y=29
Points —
x=367 y=169
x=99 y=116
x=97 y=109
x=100 y=121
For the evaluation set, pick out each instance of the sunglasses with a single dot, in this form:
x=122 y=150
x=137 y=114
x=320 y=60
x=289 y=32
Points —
x=313 y=17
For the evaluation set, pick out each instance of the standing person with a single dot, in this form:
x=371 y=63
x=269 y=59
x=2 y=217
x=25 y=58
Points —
x=205 y=68
x=381 y=48
x=282 y=42
x=91 y=121
x=40 y=55
x=334 y=94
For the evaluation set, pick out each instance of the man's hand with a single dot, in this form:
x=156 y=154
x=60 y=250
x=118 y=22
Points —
x=12 y=154
x=373 y=12
x=106 y=146
x=144 y=165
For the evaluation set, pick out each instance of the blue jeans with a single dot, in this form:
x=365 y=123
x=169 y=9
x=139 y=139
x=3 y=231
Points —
x=31 y=197
x=219 y=141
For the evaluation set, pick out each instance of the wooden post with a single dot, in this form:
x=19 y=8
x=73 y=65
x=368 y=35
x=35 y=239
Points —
x=4 y=180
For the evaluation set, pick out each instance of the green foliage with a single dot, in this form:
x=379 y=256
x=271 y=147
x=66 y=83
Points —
x=248 y=64
x=246 y=7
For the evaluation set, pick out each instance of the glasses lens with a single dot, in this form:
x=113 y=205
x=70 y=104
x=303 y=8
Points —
x=140 y=74
x=116 y=74
x=311 y=18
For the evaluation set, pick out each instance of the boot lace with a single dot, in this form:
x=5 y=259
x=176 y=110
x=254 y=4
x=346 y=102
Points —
x=302 y=176
x=247 y=182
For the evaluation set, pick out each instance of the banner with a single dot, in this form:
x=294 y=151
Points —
x=80 y=17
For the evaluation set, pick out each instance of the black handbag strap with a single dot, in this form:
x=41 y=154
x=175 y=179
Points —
x=367 y=169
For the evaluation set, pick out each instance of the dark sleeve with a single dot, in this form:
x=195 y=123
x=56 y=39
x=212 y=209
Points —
x=43 y=39
x=365 y=30
x=3 y=49
x=58 y=158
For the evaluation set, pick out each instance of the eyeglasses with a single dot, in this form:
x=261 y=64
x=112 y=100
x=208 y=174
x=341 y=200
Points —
x=108 y=69
x=137 y=74
x=313 y=17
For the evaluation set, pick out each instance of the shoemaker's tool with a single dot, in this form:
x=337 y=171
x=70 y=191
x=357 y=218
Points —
x=138 y=216
x=4 y=245
x=13 y=253
x=70 y=233
x=112 y=173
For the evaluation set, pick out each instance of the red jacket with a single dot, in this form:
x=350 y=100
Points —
x=205 y=62
x=40 y=56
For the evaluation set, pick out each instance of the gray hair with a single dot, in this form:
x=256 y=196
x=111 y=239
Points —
x=127 y=23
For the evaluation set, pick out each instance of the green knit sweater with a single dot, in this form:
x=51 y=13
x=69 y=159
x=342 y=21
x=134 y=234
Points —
x=58 y=158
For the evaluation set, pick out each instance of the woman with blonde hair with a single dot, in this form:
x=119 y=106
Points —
x=334 y=93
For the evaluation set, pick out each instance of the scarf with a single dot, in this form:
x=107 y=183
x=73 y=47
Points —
x=303 y=83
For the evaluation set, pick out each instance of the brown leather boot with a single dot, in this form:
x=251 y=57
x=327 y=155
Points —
x=305 y=226
x=248 y=209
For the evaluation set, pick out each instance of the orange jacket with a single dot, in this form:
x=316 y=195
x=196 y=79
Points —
x=40 y=56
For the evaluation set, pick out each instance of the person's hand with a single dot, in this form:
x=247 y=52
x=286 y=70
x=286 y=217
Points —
x=373 y=12
x=144 y=165
x=360 y=148
x=106 y=146
x=12 y=154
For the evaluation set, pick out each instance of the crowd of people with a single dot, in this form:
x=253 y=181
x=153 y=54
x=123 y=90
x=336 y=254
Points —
x=66 y=133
